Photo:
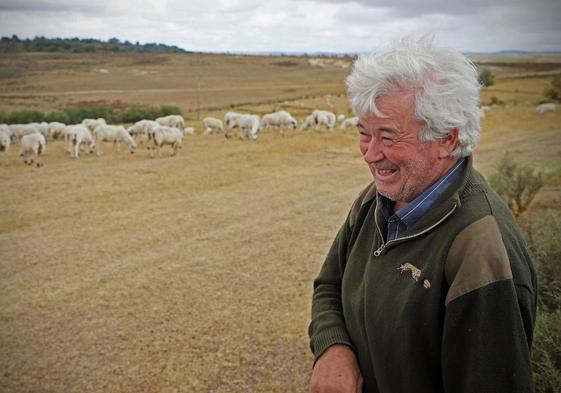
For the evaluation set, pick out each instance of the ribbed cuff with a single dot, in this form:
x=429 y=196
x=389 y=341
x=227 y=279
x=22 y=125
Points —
x=326 y=338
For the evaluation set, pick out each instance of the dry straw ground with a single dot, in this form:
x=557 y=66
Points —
x=194 y=273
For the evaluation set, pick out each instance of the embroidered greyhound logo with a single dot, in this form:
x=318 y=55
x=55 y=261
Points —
x=415 y=273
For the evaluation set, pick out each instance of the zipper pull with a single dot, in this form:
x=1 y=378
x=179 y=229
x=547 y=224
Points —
x=379 y=251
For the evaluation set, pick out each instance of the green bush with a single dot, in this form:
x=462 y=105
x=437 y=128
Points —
x=516 y=185
x=167 y=110
x=22 y=117
x=61 y=117
x=546 y=353
x=554 y=93
x=545 y=246
x=486 y=78
x=136 y=113
x=78 y=113
x=75 y=114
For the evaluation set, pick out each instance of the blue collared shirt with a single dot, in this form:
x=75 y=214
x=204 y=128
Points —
x=407 y=216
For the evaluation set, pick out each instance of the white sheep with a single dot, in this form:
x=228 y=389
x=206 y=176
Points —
x=19 y=130
x=93 y=123
x=231 y=120
x=325 y=118
x=43 y=128
x=547 y=107
x=350 y=122
x=115 y=134
x=278 y=119
x=79 y=135
x=5 y=142
x=33 y=143
x=143 y=128
x=211 y=125
x=249 y=126
x=308 y=123
x=340 y=118
x=56 y=129
x=164 y=135
x=176 y=121
x=188 y=131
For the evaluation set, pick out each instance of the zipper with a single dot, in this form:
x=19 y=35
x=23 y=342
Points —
x=384 y=244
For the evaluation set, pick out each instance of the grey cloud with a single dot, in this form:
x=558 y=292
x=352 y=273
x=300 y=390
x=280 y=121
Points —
x=412 y=8
x=86 y=7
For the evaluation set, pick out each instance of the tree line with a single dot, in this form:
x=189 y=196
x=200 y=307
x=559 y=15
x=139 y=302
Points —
x=81 y=45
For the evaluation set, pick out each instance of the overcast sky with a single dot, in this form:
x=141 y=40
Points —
x=292 y=25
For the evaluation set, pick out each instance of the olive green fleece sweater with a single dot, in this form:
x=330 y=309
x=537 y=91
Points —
x=448 y=307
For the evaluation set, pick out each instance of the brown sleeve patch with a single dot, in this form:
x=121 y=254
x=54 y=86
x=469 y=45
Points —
x=477 y=258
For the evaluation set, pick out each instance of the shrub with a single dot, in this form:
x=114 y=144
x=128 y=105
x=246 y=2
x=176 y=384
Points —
x=486 y=78
x=136 y=113
x=546 y=353
x=545 y=247
x=78 y=113
x=23 y=117
x=554 y=93
x=495 y=101
x=167 y=110
x=516 y=185
x=57 y=116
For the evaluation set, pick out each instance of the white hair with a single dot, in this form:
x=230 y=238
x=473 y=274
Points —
x=444 y=80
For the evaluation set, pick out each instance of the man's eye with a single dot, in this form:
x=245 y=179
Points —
x=386 y=140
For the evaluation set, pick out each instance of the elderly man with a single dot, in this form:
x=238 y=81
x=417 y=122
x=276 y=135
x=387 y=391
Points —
x=428 y=286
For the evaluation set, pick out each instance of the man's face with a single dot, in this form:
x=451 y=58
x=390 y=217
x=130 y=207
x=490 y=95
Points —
x=402 y=166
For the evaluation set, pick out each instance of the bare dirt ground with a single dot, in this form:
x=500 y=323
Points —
x=123 y=273
x=44 y=81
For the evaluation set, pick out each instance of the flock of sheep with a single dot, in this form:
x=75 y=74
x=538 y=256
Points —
x=168 y=130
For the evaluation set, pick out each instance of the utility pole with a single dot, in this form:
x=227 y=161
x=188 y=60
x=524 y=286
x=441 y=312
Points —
x=198 y=97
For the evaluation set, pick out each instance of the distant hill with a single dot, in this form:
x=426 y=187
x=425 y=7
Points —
x=81 y=45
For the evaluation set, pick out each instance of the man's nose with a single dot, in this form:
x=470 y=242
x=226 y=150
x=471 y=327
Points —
x=373 y=151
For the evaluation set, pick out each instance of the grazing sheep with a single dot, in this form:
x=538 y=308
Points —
x=19 y=130
x=188 y=131
x=350 y=122
x=56 y=129
x=541 y=109
x=340 y=118
x=43 y=128
x=115 y=134
x=5 y=142
x=164 y=135
x=93 y=123
x=231 y=120
x=325 y=118
x=308 y=122
x=143 y=127
x=176 y=121
x=249 y=126
x=33 y=143
x=79 y=135
x=278 y=119
x=211 y=125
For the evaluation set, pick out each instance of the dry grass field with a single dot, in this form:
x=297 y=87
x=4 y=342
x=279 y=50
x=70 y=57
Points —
x=125 y=273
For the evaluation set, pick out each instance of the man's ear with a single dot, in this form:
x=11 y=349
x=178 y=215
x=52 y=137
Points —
x=447 y=144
